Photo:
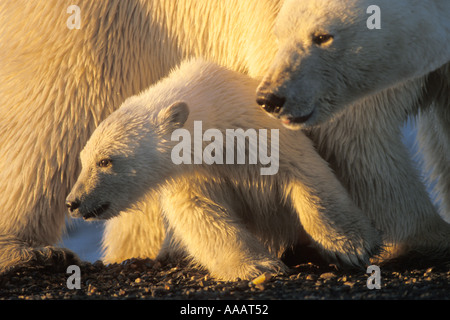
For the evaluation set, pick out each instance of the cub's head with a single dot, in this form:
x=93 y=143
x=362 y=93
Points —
x=331 y=53
x=126 y=156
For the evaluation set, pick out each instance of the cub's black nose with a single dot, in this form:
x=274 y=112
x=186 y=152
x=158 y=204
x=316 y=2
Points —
x=73 y=205
x=271 y=102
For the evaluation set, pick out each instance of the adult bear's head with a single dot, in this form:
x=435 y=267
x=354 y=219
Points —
x=332 y=53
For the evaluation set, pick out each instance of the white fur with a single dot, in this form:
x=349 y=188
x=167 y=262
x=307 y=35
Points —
x=58 y=84
x=360 y=87
x=413 y=41
x=228 y=217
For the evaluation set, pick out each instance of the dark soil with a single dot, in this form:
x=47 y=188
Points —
x=142 y=287
x=143 y=279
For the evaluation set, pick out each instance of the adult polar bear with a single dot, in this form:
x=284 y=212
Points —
x=361 y=85
x=57 y=84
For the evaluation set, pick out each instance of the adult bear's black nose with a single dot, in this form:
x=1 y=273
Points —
x=73 y=205
x=270 y=102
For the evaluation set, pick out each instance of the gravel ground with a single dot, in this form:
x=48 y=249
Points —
x=144 y=279
x=142 y=287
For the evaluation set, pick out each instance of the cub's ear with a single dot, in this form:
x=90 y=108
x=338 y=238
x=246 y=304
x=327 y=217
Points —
x=175 y=115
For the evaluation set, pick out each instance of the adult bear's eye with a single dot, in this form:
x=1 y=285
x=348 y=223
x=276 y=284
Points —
x=321 y=39
x=104 y=163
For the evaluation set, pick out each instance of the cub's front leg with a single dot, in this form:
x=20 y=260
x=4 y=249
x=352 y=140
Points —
x=338 y=228
x=214 y=237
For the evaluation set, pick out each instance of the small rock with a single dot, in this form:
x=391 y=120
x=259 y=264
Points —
x=98 y=264
x=295 y=276
x=91 y=288
x=311 y=277
x=261 y=279
x=349 y=284
x=327 y=275
x=260 y=286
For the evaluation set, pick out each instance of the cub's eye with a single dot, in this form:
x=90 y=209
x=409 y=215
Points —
x=321 y=39
x=104 y=163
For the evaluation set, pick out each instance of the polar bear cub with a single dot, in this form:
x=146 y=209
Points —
x=199 y=141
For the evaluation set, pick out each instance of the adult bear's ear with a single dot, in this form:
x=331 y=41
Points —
x=175 y=115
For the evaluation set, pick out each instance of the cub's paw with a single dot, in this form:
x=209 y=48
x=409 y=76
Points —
x=249 y=270
x=352 y=252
